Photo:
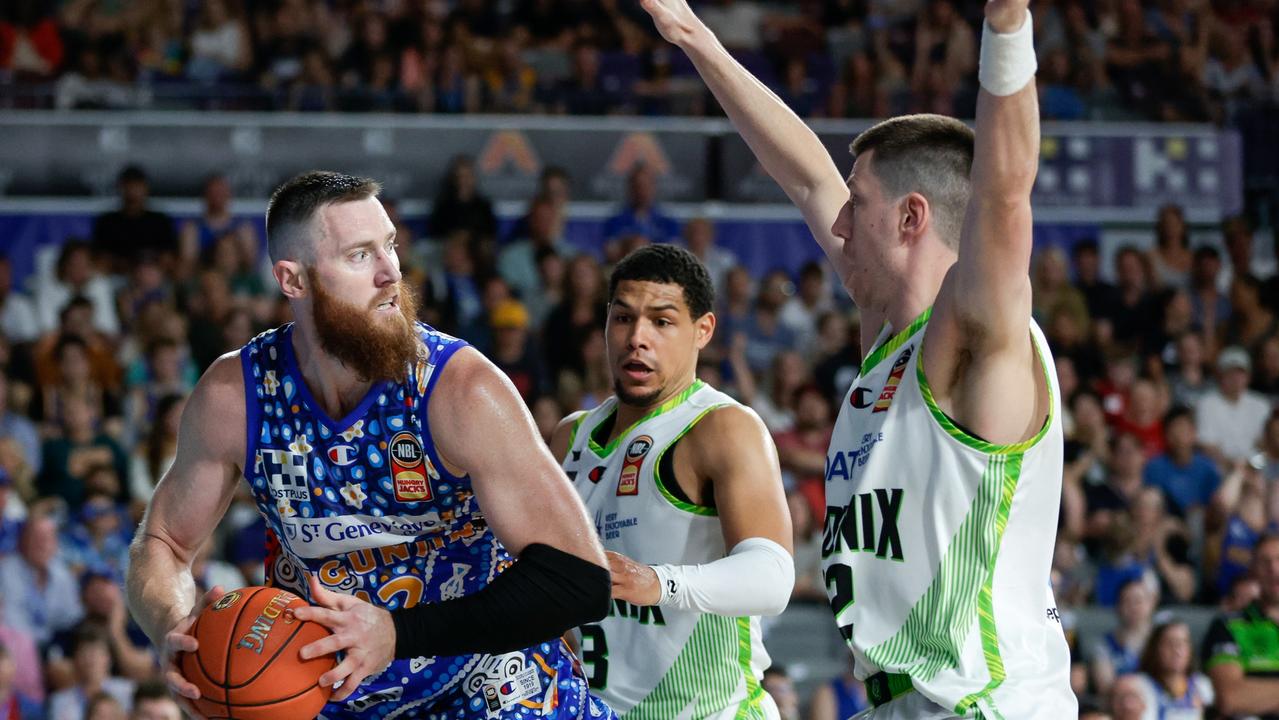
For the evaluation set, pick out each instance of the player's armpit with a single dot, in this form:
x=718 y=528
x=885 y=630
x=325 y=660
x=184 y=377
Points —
x=480 y=424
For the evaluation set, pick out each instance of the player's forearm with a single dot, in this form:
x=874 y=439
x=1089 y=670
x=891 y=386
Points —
x=1006 y=152
x=788 y=150
x=755 y=578
x=1249 y=697
x=161 y=590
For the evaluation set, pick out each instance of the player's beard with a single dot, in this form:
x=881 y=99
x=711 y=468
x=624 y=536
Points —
x=633 y=399
x=371 y=347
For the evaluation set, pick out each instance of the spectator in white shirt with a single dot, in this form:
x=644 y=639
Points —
x=1231 y=417
x=18 y=320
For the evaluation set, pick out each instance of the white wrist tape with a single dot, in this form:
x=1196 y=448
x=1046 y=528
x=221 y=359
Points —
x=1007 y=59
x=756 y=578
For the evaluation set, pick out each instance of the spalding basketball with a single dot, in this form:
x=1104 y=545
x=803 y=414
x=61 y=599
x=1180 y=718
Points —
x=247 y=666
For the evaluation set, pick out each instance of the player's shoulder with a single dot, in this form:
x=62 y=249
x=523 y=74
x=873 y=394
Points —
x=562 y=435
x=725 y=423
x=217 y=408
x=222 y=383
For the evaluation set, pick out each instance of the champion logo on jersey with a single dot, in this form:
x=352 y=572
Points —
x=628 y=482
x=859 y=399
x=407 y=460
x=342 y=455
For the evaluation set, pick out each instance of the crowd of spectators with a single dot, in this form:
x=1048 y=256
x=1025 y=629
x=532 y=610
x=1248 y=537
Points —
x=1168 y=369
x=1182 y=60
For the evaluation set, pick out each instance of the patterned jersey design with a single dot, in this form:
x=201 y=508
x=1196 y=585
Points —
x=365 y=504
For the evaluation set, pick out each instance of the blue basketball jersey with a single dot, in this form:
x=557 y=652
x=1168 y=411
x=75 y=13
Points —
x=365 y=503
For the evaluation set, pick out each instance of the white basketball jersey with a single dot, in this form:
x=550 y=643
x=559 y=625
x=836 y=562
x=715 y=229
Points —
x=655 y=663
x=937 y=545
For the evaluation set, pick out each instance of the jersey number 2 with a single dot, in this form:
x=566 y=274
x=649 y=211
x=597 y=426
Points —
x=839 y=586
x=595 y=654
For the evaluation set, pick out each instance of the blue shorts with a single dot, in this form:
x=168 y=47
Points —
x=544 y=681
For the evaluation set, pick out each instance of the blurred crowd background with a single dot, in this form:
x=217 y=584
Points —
x=1167 y=351
x=1169 y=60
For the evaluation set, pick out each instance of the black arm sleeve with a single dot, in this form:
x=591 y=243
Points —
x=544 y=594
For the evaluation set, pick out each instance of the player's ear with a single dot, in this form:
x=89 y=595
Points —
x=291 y=275
x=915 y=216
x=705 y=328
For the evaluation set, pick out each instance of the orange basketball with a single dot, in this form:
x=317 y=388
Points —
x=247 y=667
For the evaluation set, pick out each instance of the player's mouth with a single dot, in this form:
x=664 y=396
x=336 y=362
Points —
x=390 y=304
x=636 y=370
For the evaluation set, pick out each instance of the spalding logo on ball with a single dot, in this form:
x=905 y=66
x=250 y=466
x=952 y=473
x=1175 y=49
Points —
x=247 y=666
x=226 y=601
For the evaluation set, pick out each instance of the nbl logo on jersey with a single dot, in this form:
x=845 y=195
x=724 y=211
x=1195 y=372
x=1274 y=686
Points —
x=408 y=468
x=628 y=482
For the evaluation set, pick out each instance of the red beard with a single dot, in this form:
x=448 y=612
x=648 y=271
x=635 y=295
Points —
x=373 y=348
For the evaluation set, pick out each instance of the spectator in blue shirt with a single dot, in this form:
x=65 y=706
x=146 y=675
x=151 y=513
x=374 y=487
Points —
x=1185 y=475
x=641 y=215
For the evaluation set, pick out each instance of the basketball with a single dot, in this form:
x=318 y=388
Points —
x=247 y=666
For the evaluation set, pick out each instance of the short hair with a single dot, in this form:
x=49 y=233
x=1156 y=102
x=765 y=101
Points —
x=294 y=203
x=131 y=173
x=1179 y=412
x=77 y=302
x=150 y=690
x=1086 y=245
x=88 y=633
x=1206 y=252
x=928 y=154
x=664 y=263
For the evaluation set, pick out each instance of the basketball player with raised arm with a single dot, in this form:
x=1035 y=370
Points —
x=943 y=476
x=685 y=490
x=406 y=490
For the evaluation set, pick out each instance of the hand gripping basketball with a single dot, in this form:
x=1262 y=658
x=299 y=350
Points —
x=364 y=632
x=178 y=640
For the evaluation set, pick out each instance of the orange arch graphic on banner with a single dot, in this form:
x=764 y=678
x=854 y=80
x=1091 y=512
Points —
x=639 y=148
x=509 y=147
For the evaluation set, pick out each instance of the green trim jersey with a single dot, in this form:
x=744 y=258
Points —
x=660 y=663
x=1248 y=638
x=937 y=546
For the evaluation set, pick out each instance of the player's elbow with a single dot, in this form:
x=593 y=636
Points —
x=1228 y=702
x=597 y=594
x=777 y=597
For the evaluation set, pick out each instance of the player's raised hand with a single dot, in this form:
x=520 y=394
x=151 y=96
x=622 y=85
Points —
x=1006 y=16
x=364 y=632
x=674 y=19
x=634 y=582
x=177 y=640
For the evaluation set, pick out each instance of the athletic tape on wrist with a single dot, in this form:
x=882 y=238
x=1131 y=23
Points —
x=670 y=580
x=1007 y=59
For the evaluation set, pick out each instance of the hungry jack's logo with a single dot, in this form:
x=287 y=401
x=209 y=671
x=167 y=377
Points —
x=894 y=379
x=628 y=481
x=407 y=460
